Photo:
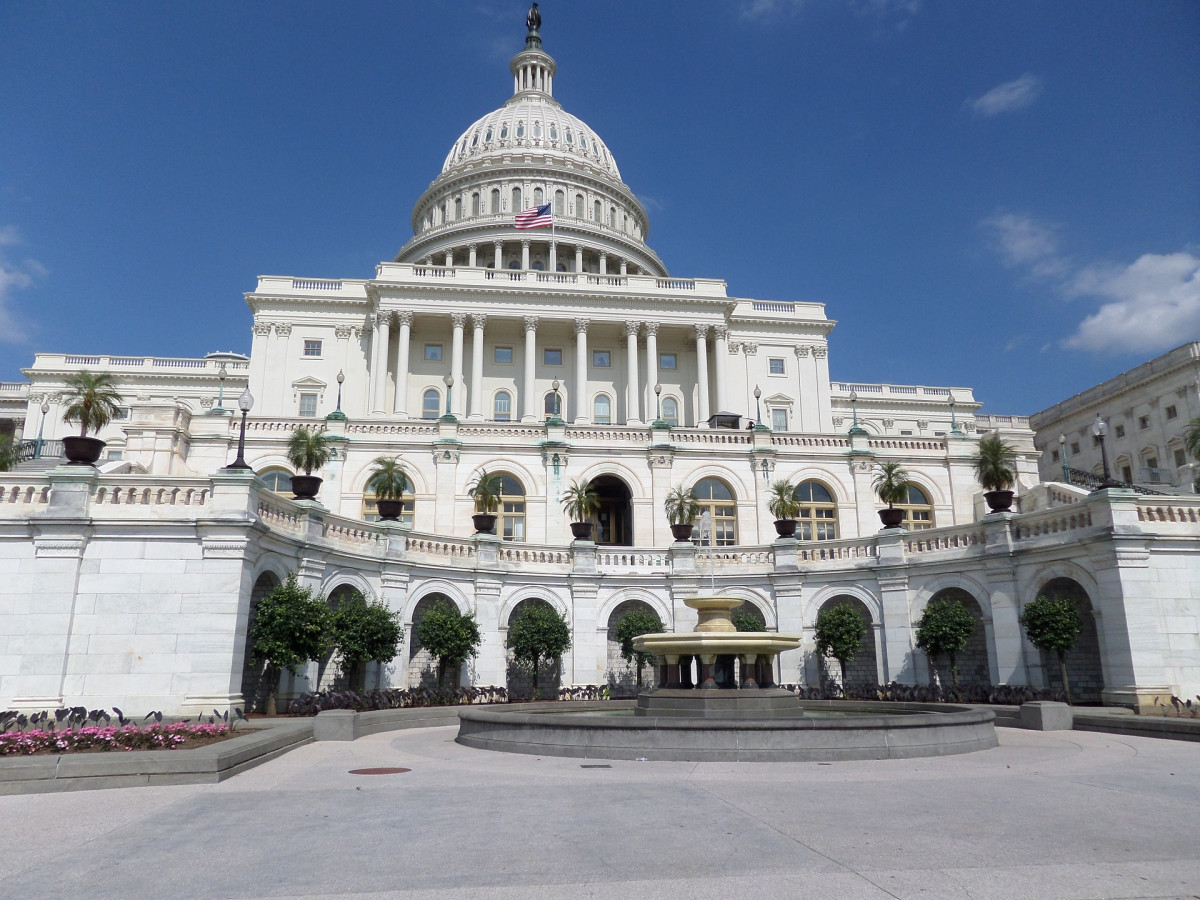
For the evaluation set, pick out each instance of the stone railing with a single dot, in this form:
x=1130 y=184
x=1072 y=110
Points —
x=23 y=493
x=632 y=560
x=837 y=551
x=1170 y=514
x=1057 y=520
x=503 y=431
x=908 y=391
x=908 y=444
x=532 y=557
x=437 y=548
x=815 y=441
x=639 y=284
x=133 y=490
x=422 y=429
x=60 y=360
x=742 y=558
x=709 y=436
x=277 y=512
x=951 y=538
x=355 y=534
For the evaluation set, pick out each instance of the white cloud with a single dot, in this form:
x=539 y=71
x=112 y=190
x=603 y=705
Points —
x=1154 y=305
x=1008 y=97
x=14 y=276
x=1025 y=242
x=762 y=10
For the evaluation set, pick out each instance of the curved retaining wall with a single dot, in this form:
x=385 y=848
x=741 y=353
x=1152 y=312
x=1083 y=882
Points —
x=880 y=731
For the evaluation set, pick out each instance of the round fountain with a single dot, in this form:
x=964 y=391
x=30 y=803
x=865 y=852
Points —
x=718 y=716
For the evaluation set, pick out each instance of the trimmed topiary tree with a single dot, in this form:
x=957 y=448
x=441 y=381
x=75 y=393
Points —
x=290 y=628
x=839 y=633
x=1052 y=624
x=362 y=632
x=747 y=618
x=449 y=636
x=945 y=627
x=538 y=633
x=634 y=624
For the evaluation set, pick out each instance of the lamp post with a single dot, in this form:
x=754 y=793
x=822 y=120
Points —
x=555 y=417
x=337 y=413
x=222 y=374
x=448 y=380
x=1099 y=430
x=658 y=419
x=245 y=402
x=1062 y=454
x=854 y=429
x=953 y=418
x=757 y=406
x=37 y=449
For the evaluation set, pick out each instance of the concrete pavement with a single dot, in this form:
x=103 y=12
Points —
x=1056 y=814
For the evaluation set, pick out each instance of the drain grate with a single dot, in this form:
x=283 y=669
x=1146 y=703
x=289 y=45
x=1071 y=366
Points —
x=597 y=766
x=382 y=770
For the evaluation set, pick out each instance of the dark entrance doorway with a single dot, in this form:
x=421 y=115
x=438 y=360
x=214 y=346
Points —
x=614 y=519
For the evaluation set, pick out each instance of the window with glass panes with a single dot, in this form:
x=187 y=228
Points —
x=277 y=480
x=779 y=420
x=670 y=411
x=552 y=405
x=918 y=511
x=502 y=407
x=602 y=410
x=716 y=499
x=431 y=404
x=308 y=405
x=817 y=519
x=512 y=509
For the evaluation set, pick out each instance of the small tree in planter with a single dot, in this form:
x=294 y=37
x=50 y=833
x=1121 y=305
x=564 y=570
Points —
x=486 y=491
x=92 y=401
x=635 y=624
x=449 y=636
x=388 y=481
x=580 y=501
x=682 y=510
x=839 y=633
x=1052 y=624
x=308 y=449
x=290 y=628
x=996 y=470
x=891 y=484
x=363 y=632
x=784 y=506
x=945 y=627
x=538 y=633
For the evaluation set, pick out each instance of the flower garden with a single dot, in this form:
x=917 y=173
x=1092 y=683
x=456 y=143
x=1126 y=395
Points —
x=81 y=731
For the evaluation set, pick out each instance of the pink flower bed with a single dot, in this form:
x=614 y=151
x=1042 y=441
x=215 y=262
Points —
x=109 y=737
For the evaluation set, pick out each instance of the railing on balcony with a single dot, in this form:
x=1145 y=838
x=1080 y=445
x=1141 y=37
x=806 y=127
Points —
x=39 y=449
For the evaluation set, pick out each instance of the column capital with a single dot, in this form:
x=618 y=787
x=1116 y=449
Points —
x=262 y=329
x=497 y=244
x=342 y=332
x=472 y=246
x=458 y=320
x=478 y=320
x=581 y=325
x=631 y=328
x=283 y=329
x=820 y=351
x=603 y=254
x=405 y=316
x=383 y=318
x=525 y=242
x=701 y=332
x=801 y=351
x=531 y=323
x=734 y=348
x=651 y=329
x=720 y=332
x=750 y=348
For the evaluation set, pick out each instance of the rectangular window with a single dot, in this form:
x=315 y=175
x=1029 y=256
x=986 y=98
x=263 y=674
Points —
x=120 y=413
x=668 y=361
x=904 y=433
x=1127 y=477
x=1152 y=462
x=779 y=420
x=1054 y=455
x=775 y=365
x=552 y=356
x=503 y=356
x=1172 y=412
x=1075 y=449
x=312 y=348
x=1143 y=422
x=602 y=359
x=308 y=404
x=1180 y=459
x=1120 y=432
x=433 y=352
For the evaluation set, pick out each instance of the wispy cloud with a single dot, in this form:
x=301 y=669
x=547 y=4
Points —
x=887 y=16
x=768 y=10
x=1008 y=97
x=15 y=275
x=1154 y=304
x=1025 y=242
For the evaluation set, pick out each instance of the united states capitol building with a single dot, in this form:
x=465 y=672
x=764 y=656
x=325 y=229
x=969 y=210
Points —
x=549 y=355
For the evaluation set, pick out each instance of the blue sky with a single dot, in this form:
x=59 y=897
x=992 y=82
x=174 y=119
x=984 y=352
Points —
x=1002 y=195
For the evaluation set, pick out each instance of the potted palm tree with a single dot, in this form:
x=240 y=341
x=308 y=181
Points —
x=307 y=449
x=784 y=506
x=486 y=491
x=996 y=470
x=579 y=501
x=682 y=509
x=92 y=401
x=891 y=485
x=388 y=481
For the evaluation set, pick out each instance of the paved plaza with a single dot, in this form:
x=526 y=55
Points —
x=1056 y=815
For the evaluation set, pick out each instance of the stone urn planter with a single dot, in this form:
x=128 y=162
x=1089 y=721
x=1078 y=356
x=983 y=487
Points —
x=891 y=518
x=682 y=532
x=82 y=451
x=305 y=487
x=389 y=510
x=485 y=523
x=999 y=501
x=581 y=531
x=785 y=528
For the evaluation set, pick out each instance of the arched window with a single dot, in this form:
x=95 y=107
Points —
x=579 y=207
x=516 y=200
x=612 y=217
x=475 y=204
x=495 y=200
x=560 y=201
x=717 y=500
x=552 y=405
x=602 y=410
x=537 y=196
x=277 y=480
x=817 y=520
x=918 y=511
x=431 y=404
x=670 y=411
x=512 y=509
x=443 y=211
x=502 y=406
x=458 y=207
x=370 y=512
x=596 y=216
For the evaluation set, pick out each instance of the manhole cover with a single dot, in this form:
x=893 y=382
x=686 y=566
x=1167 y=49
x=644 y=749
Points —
x=596 y=767
x=382 y=770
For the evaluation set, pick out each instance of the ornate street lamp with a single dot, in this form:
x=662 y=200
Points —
x=1099 y=430
x=245 y=403
x=556 y=416
x=1062 y=454
x=337 y=413
x=448 y=380
x=658 y=419
x=953 y=419
x=37 y=449
x=757 y=406
x=222 y=374
x=854 y=429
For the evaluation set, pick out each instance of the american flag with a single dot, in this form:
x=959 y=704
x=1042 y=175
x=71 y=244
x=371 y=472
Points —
x=535 y=217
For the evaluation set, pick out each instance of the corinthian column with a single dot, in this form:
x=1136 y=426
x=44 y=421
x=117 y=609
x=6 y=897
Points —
x=719 y=334
x=379 y=360
x=582 y=413
x=633 y=411
x=458 y=321
x=651 y=363
x=401 y=405
x=702 y=413
x=528 y=413
x=478 y=320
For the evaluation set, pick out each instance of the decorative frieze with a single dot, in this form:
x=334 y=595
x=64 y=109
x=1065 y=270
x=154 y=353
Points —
x=224 y=549
x=64 y=548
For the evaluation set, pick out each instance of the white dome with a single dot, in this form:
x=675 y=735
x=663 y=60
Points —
x=532 y=121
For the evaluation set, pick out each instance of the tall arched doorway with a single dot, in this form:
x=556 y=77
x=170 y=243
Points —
x=973 y=666
x=622 y=674
x=253 y=693
x=422 y=667
x=518 y=679
x=862 y=668
x=614 y=518
x=1084 y=669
